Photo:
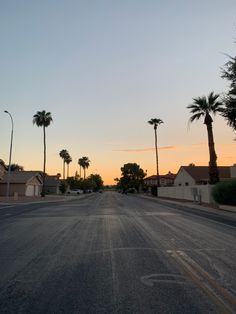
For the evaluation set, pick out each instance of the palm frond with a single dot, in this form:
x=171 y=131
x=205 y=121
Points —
x=212 y=98
x=155 y=121
x=196 y=116
x=42 y=118
x=194 y=108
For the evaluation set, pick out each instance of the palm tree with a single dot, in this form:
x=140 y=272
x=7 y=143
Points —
x=63 y=154
x=85 y=163
x=68 y=160
x=80 y=162
x=155 y=122
x=202 y=107
x=43 y=119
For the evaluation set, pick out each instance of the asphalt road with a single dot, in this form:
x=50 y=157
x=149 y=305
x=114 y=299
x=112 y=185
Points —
x=114 y=253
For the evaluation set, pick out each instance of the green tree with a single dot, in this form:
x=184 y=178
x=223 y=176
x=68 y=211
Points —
x=15 y=167
x=156 y=122
x=229 y=73
x=131 y=176
x=203 y=107
x=63 y=187
x=96 y=182
x=64 y=154
x=43 y=119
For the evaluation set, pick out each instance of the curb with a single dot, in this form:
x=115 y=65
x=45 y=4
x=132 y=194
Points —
x=223 y=209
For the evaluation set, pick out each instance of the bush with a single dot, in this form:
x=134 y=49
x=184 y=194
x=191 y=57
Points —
x=131 y=190
x=225 y=192
x=154 y=190
x=63 y=187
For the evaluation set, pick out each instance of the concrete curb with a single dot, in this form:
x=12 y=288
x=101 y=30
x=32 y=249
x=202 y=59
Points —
x=223 y=209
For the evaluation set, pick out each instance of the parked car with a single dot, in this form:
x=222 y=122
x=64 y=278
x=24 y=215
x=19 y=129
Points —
x=77 y=191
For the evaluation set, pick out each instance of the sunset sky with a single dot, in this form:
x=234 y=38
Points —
x=103 y=68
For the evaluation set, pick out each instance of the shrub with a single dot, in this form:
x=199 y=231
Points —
x=154 y=190
x=63 y=187
x=225 y=192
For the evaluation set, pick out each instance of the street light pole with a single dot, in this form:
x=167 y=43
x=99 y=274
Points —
x=9 y=164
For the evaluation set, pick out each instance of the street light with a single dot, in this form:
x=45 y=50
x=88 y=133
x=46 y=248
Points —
x=9 y=164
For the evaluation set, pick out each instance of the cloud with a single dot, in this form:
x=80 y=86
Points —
x=167 y=147
x=143 y=150
x=137 y=150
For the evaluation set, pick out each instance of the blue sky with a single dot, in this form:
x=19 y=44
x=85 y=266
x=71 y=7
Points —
x=103 y=68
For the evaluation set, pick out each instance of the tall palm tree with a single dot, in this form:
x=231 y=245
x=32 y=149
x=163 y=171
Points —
x=68 y=160
x=80 y=162
x=63 y=154
x=43 y=119
x=203 y=107
x=85 y=163
x=156 y=122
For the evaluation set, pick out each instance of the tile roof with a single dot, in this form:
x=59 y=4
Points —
x=201 y=173
x=21 y=176
x=169 y=175
x=52 y=180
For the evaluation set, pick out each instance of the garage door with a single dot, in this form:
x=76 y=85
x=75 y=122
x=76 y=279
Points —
x=29 y=190
x=36 y=190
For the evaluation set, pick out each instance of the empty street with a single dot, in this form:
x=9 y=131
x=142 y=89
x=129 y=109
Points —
x=115 y=253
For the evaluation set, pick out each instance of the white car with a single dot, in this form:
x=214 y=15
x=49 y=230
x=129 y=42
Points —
x=78 y=191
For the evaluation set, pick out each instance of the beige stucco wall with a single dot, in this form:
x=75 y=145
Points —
x=188 y=192
x=19 y=188
x=233 y=171
x=183 y=179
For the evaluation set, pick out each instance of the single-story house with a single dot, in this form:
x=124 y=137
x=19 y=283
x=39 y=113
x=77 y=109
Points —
x=165 y=180
x=22 y=183
x=52 y=184
x=197 y=175
x=3 y=169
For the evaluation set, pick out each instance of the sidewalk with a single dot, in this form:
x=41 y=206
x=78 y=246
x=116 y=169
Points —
x=223 y=209
x=36 y=199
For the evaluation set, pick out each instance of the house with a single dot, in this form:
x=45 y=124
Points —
x=151 y=181
x=22 y=183
x=197 y=175
x=52 y=184
x=233 y=171
x=165 y=180
x=3 y=169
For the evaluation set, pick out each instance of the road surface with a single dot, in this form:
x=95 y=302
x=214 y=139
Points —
x=115 y=253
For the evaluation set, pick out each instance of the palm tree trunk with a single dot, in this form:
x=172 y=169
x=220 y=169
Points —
x=80 y=171
x=67 y=171
x=84 y=173
x=63 y=169
x=157 y=170
x=44 y=161
x=213 y=169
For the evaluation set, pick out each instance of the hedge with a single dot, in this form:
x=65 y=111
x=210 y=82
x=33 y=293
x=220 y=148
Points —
x=225 y=192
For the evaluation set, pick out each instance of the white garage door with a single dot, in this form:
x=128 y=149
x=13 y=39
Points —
x=29 y=190
x=36 y=190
